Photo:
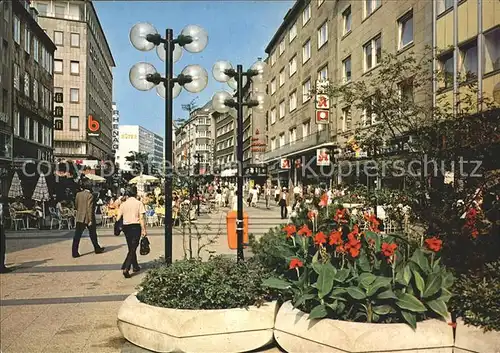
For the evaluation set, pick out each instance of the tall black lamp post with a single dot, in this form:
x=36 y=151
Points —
x=223 y=101
x=144 y=77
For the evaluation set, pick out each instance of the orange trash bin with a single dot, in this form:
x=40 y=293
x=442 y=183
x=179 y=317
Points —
x=232 y=237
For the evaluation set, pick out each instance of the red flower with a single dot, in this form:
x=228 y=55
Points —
x=470 y=223
x=320 y=238
x=340 y=249
x=311 y=214
x=355 y=231
x=339 y=215
x=305 y=231
x=295 y=263
x=290 y=230
x=374 y=222
x=323 y=202
x=474 y=233
x=434 y=244
x=353 y=245
x=389 y=249
x=335 y=238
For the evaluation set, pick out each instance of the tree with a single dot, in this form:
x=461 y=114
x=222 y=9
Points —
x=141 y=163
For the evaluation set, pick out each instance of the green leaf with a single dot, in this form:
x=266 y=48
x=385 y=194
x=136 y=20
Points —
x=448 y=280
x=407 y=275
x=445 y=295
x=276 y=283
x=388 y=294
x=382 y=309
x=411 y=303
x=419 y=281
x=325 y=279
x=432 y=285
x=380 y=282
x=356 y=293
x=334 y=305
x=439 y=307
x=366 y=278
x=410 y=318
x=302 y=299
x=318 y=312
x=363 y=262
x=341 y=275
x=421 y=260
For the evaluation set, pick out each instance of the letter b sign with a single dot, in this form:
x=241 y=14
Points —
x=93 y=126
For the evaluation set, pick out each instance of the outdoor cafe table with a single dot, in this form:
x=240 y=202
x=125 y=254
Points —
x=27 y=214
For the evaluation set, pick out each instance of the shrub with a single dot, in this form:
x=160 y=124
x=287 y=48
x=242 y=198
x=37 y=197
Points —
x=271 y=251
x=219 y=283
x=477 y=298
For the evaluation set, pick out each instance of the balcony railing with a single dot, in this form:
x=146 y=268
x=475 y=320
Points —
x=314 y=139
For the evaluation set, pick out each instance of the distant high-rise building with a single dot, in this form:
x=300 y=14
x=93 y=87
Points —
x=135 y=138
x=82 y=73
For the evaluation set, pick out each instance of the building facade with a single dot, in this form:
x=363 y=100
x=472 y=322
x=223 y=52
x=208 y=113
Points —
x=135 y=138
x=27 y=86
x=224 y=144
x=83 y=74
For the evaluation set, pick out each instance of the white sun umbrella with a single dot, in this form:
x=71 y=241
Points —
x=15 y=187
x=143 y=179
x=95 y=178
x=41 y=192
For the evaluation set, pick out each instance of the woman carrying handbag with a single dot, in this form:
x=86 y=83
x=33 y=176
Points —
x=132 y=213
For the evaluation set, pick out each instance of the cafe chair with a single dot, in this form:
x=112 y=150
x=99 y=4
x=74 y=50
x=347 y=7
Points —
x=16 y=219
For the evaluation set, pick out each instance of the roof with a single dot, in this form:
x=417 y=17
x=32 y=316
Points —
x=289 y=17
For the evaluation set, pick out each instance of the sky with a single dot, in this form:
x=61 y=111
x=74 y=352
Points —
x=238 y=31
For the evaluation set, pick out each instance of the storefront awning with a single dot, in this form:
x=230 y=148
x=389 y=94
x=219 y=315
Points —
x=228 y=173
x=300 y=152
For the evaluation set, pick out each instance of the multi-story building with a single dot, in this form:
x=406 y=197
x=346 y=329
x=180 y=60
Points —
x=194 y=142
x=330 y=41
x=82 y=68
x=26 y=86
x=135 y=138
x=225 y=144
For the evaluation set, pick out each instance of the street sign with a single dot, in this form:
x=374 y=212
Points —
x=322 y=117
x=322 y=101
x=285 y=163
x=322 y=157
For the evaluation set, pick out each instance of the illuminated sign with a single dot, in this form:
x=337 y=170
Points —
x=93 y=126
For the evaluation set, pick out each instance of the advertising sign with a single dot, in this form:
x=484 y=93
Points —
x=58 y=97
x=322 y=157
x=284 y=163
x=93 y=126
x=115 y=132
x=322 y=101
x=322 y=117
x=58 y=124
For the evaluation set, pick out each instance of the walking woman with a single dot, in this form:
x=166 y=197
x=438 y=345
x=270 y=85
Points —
x=284 y=203
x=134 y=226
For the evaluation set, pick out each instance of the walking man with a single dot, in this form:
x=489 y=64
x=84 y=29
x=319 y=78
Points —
x=3 y=268
x=85 y=218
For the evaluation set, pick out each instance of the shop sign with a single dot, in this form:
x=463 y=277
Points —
x=322 y=117
x=298 y=163
x=58 y=124
x=322 y=101
x=58 y=97
x=93 y=126
x=284 y=163
x=58 y=112
x=322 y=157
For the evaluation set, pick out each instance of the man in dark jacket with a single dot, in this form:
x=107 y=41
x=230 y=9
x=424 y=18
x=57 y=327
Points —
x=85 y=218
x=3 y=268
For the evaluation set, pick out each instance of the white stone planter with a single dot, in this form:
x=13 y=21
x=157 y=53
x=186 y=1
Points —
x=471 y=339
x=175 y=330
x=294 y=332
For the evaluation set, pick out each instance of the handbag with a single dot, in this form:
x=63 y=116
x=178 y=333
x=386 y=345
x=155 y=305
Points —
x=118 y=227
x=144 y=248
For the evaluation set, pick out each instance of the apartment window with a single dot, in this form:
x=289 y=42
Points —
x=75 y=40
x=346 y=70
x=293 y=101
x=17 y=123
x=43 y=9
x=282 y=77
x=273 y=85
x=35 y=91
x=58 y=66
x=27 y=40
x=346 y=119
x=292 y=65
x=74 y=123
x=469 y=65
x=368 y=117
x=406 y=92
x=492 y=50
x=273 y=116
x=306 y=14
x=60 y=10
x=17 y=79
x=372 y=52
x=293 y=32
x=306 y=51
x=446 y=63
x=273 y=58
x=323 y=73
x=306 y=130
x=17 y=30
x=74 y=95
x=371 y=6
x=323 y=34
x=27 y=86
x=306 y=91
x=282 y=46
x=58 y=38
x=443 y=5
x=347 y=20
x=36 y=136
x=26 y=127
x=292 y=135
x=282 y=140
x=6 y=11
x=405 y=25
x=273 y=143
x=36 y=50
x=75 y=68
x=282 y=109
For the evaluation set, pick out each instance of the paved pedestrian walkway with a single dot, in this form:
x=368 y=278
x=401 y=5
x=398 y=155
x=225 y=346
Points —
x=53 y=303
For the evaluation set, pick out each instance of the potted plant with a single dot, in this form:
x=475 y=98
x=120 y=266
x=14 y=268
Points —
x=194 y=306
x=360 y=290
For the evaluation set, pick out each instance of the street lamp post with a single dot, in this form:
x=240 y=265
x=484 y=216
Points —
x=144 y=77
x=222 y=102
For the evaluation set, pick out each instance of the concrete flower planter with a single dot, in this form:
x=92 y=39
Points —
x=175 y=330
x=294 y=332
x=471 y=339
